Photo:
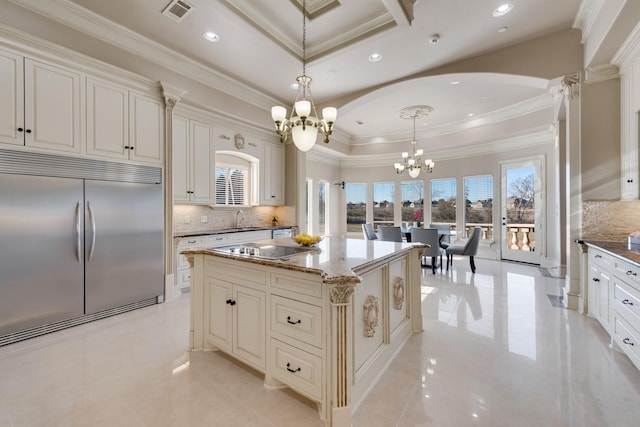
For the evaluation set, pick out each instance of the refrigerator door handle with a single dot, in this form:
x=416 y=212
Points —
x=78 y=233
x=93 y=231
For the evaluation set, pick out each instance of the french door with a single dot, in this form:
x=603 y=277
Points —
x=522 y=206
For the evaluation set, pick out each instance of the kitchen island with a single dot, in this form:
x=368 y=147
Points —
x=325 y=323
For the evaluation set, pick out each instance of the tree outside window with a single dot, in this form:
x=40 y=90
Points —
x=443 y=201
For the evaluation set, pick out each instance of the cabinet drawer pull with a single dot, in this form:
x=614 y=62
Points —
x=298 y=370
x=627 y=302
x=598 y=256
x=191 y=241
x=626 y=341
x=595 y=279
x=291 y=322
x=631 y=273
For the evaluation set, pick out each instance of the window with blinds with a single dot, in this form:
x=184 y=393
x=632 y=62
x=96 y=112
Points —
x=232 y=185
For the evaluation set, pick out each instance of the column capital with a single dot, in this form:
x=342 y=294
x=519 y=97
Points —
x=172 y=94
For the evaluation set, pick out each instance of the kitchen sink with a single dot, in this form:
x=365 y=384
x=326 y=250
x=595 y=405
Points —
x=262 y=250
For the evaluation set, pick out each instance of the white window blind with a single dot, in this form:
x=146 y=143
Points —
x=231 y=186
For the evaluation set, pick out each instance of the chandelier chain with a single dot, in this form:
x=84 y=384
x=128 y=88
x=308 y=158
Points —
x=304 y=38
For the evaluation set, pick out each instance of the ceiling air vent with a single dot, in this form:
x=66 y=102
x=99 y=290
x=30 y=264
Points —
x=177 y=10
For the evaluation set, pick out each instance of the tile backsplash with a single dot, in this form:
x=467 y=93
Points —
x=188 y=218
x=610 y=220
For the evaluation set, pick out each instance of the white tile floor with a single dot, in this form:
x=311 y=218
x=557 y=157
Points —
x=494 y=352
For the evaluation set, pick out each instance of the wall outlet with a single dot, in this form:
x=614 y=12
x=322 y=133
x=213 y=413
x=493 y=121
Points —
x=187 y=219
x=204 y=219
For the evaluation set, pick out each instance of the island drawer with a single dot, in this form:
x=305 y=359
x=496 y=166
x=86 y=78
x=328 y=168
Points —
x=598 y=257
x=628 y=338
x=300 y=284
x=626 y=300
x=297 y=320
x=629 y=271
x=296 y=368
x=234 y=271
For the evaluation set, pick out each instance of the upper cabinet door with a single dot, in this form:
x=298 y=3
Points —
x=146 y=123
x=180 y=163
x=107 y=119
x=52 y=107
x=272 y=182
x=11 y=98
x=202 y=163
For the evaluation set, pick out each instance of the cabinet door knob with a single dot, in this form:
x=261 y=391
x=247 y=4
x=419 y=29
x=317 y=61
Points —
x=28 y=131
x=20 y=129
x=229 y=301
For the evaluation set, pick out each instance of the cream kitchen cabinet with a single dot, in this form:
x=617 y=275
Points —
x=123 y=124
x=193 y=161
x=235 y=314
x=39 y=104
x=272 y=182
x=625 y=301
x=599 y=283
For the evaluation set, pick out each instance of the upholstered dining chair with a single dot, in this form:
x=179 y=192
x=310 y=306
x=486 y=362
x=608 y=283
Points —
x=390 y=234
x=444 y=230
x=368 y=232
x=430 y=237
x=470 y=249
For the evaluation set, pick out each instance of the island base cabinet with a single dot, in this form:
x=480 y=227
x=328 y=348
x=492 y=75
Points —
x=235 y=316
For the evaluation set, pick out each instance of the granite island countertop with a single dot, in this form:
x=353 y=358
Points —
x=336 y=259
x=616 y=249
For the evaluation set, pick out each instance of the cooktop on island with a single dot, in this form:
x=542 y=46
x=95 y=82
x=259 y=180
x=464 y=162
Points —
x=259 y=250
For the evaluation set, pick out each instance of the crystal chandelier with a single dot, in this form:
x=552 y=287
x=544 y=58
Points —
x=414 y=164
x=303 y=124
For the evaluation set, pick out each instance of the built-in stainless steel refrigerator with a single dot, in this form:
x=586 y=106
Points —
x=79 y=240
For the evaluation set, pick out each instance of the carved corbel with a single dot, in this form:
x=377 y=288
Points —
x=398 y=293
x=340 y=294
x=370 y=316
x=571 y=86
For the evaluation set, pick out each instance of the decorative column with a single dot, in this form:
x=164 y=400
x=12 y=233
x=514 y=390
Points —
x=571 y=90
x=341 y=354
x=172 y=96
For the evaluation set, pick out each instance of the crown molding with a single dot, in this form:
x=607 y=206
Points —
x=247 y=10
x=27 y=44
x=75 y=16
x=601 y=73
x=520 y=109
x=586 y=16
x=545 y=136
x=629 y=51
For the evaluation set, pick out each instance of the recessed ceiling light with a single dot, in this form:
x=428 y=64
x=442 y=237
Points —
x=454 y=83
x=470 y=115
x=211 y=36
x=502 y=29
x=503 y=9
x=375 y=57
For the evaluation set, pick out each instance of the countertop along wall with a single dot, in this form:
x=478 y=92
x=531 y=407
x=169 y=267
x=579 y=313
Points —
x=225 y=218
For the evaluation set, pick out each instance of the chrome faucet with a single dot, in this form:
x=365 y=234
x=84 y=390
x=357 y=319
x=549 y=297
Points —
x=238 y=215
